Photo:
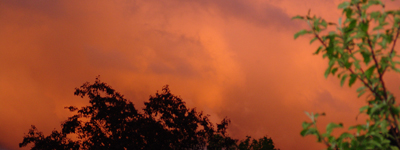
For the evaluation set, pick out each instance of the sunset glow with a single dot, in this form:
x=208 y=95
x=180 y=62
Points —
x=228 y=58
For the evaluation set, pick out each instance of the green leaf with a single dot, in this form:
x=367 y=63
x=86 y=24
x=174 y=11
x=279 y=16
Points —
x=377 y=108
x=318 y=50
x=395 y=110
x=384 y=124
x=327 y=71
x=344 y=5
x=334 y=70
x=306 y=125
x=298 y=17
x=301 y=32
x=352 y=24
x=366 y=55
x=308 y=114
x=369 y=72
x=308 y=132
x=304 y=132
x=346 y=135
x=361 y=88
x=394 y=148
x=361 y=93
x=375 y=143
x=377 y=28
x=352 y=79
x=343 y=79
x=363 y=108
x=375 y=2
x=347 y=64
x=348 y=12
x=357 y=64
x=358 y=127
x=323 y=23
x=375 y=15
x=359 y=35
x=312 y=40
x=331 y=126
x=364 y=26
x=316 y=24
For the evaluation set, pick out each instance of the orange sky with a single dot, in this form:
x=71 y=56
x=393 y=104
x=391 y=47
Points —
x=234 y=58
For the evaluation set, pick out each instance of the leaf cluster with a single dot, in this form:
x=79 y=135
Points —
x=360 y=48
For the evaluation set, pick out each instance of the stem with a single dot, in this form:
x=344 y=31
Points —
x=362 y=71
x=352 y=72
x=396 y=129
x=392 y=49
x=395 y=40
x=369 y=86
x=383 y=71
x=374 y=56
x=323 y=139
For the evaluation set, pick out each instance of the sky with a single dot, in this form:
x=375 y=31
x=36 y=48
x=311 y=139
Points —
x=228 y=58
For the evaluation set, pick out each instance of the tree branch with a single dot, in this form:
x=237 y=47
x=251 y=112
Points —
x=374 y=56
x=392 y=49
x=352 y=72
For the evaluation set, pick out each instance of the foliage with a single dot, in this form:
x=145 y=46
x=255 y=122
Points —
x=263 y=143
x=221 y=141
x=55 y=140
x=112 y=122
x=361 y=48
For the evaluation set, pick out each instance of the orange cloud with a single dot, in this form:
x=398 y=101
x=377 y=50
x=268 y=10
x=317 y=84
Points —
x=228 y=58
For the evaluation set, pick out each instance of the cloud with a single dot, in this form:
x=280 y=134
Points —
x=228 y=58
x=258 y=13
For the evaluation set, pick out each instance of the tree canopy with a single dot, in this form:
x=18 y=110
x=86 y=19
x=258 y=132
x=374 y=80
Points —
x=113 y=122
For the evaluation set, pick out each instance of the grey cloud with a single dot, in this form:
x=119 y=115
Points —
x=325 y=99
x=265 y=15
x=47 y=8
x=175 y=54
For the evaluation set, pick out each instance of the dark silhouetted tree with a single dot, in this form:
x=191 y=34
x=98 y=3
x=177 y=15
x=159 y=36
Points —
x=112 y=122
x=263 y=143
x=55 y=140
x=220 y=140
x=179 y=123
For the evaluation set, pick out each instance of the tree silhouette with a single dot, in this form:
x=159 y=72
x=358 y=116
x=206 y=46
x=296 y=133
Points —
x=113 y=122
x=263 y=143
x=221 y=140
x=180 y=124
x=55 y=140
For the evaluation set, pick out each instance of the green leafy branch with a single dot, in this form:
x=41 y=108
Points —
x=362 y=48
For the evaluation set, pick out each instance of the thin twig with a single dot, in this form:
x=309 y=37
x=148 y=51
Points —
x=373 y=56
x=383 y=71
x=392 y=49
